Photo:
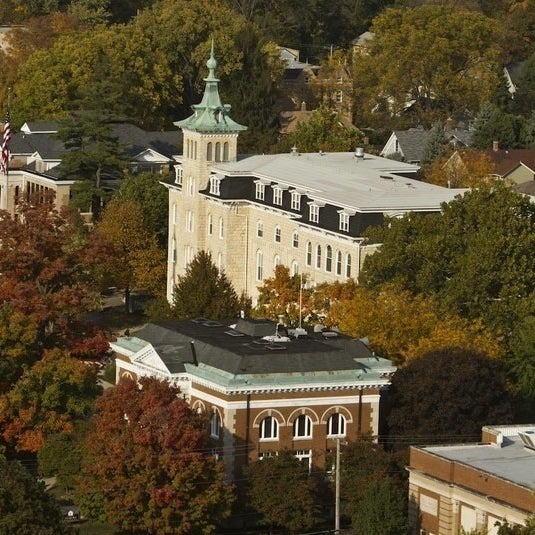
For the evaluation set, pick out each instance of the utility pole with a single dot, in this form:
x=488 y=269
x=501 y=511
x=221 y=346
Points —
x=337 y=490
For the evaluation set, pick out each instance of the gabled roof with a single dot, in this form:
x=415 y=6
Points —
x=507 y=160
x=412 y=141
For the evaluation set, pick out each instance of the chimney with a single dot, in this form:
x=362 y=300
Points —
x=495 y=146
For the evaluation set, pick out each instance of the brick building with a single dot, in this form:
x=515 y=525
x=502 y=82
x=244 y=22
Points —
x=473 y=486
x=263 y=389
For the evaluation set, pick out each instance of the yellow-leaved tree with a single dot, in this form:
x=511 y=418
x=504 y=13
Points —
x=402 y=326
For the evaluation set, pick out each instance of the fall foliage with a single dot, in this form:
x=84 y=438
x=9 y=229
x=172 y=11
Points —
x=147 y=466
x=46 y=400
x=402 y=326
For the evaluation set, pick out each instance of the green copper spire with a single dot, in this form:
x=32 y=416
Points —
x=210 y=115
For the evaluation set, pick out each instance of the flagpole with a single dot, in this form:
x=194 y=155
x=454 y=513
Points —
x=5 y=151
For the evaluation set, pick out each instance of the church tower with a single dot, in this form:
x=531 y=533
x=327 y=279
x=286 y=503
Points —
x=209 y=136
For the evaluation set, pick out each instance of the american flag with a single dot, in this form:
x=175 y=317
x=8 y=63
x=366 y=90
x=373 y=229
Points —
x=4 y=159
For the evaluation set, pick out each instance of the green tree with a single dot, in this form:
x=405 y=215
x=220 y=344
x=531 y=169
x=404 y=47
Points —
x=382 y=511
x=521 y=358
x=282 y=491
x=153 y=198
x=25 y=506
x=434 y=146
x=492 y=124
x=457 y=72
x=204 y=291
x=525 y=88
x=93 y=154
x=528 y=529
x=61 y=457
x=475 y=257
x=323 y=131
x=134 y=258
x=447 y=396
x=160 y=477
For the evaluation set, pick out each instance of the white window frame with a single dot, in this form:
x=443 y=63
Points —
x=304 y=455
x=174 y=219
x=295 y=239
x=189 y=221
x=215 y=425
x=190 y=186
x=295 y=201
x=314 y=213
x=179 y=172
x=277 y=195
x=343 y=222
x=295 y=268
x=339 y=96
x=348 y=266
x=210 y=226
x=259 y=266
x=328 y=259
x=215 y=185
x=309 y=253
x=339 y=263
x=302 y=430
x=278 y=235
x=336 y=425
x=318 y=256
x=266 y=454
x=259 y=229
x=269 y=429
x=221 y=228
x=260 y=191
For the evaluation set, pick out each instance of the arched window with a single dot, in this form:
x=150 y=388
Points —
x=278 y=234
x=269 y=429
x=329 y=259
x=309 y=253
x=318 y=256
x=295 y=268
x=209 y=152
x=210 y=225
x=225 y=151
x=260 y=229
x=221 y=228
x=215 y=425
x=174 y=213
x=336 y=426
x=220 y=266
x=259 y=266
x=218 y=152
x=194 y=150
x=348 y=266
x=338 y=263
x=303 y=427
x=276 y=261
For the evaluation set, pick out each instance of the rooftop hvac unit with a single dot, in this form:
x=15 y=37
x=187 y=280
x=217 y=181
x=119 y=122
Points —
x=528 y=439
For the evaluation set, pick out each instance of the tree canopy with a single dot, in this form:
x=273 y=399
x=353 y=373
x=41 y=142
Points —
x=458 y=70
x=25 y=506
x=270 y=479
x=147 y=466
x=476 y=257
x=447 y=396
x=47 y=399
x=204 y=291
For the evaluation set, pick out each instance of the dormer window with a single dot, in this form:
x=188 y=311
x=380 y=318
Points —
x=344 y=222
x=277 y=195
x=296 y=201
x=215 y=183
x=314 y=211
x=260 y=191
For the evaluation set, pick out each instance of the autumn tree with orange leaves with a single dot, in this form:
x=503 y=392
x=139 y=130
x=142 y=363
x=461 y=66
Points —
x=47 y=399
x=147 y=466
x=402 y=326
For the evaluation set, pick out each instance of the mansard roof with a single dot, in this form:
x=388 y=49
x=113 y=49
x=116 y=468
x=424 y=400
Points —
x=367 y=184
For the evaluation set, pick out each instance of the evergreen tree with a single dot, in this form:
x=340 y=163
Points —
x=525 y=91
x=435 y=143
x=492 y=124
x=204 y=291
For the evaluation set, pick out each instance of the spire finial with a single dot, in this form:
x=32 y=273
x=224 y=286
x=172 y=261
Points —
x=212 y=63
